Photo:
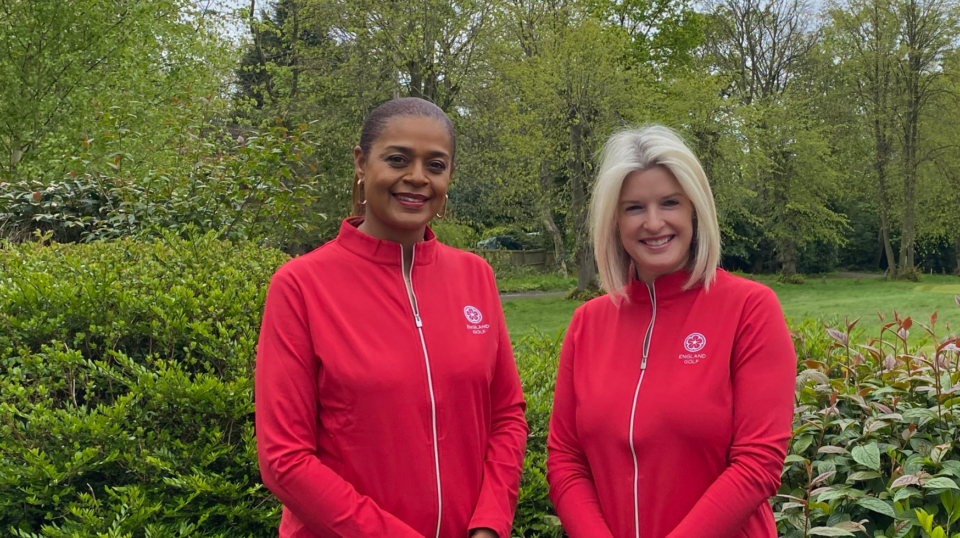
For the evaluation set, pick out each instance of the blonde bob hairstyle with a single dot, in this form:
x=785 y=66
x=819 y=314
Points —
x=633 y=150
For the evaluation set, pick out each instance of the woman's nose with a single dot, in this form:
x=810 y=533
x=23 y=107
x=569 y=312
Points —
x=653 y=222
x=418 y=173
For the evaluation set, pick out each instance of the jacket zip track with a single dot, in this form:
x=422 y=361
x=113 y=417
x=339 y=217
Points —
x=633 y=411
x=412 y=294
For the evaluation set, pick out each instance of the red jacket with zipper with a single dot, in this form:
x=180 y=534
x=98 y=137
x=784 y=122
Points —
x=368 y=425
x=711 y=413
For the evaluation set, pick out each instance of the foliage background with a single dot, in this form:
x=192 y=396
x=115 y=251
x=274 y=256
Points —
x=160 y=158
x=829 y=130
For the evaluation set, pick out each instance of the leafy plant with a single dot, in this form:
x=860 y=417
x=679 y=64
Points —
x=256 y=187
x=875 y=430
x=537 y=357
x=126 y=389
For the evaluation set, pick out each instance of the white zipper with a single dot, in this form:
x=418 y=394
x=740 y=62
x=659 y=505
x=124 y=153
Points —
x=411 y=294
x=633 y=411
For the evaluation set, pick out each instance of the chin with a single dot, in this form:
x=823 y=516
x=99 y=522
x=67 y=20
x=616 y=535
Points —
x=410 y=222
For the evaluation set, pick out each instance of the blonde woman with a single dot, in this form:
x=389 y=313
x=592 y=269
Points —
x=674 y=395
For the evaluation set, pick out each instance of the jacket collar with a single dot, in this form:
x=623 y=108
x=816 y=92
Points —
x=384 y=252
x=665 y=287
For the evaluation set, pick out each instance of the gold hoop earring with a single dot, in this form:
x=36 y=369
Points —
x=446 y=198
x=360 y=186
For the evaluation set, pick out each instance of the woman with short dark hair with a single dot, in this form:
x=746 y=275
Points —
x=387 y=397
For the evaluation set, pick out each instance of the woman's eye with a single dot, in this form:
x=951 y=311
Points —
x=437 y=166
x=671 y=203
x=395 y=159
x=634 y=207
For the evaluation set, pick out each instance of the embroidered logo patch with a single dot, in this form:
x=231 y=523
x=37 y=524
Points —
x=472 y=314
x=474 y=317
x=694 y=342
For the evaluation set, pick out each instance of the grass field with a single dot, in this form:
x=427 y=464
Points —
x=829 y=301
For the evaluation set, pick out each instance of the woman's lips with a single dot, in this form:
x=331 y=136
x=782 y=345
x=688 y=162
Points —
x=412 y=201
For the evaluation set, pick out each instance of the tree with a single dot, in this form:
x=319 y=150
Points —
x=662 y=34
x=927 y=33
x=866 y=36
x=765 y=47
x=64 y=63
x=940 y=193
x=571 y=83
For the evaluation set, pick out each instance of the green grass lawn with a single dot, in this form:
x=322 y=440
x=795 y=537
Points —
x=547 y=314
x=522 y=282
x=829 y=302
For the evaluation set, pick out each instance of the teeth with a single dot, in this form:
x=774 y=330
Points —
x=409 y=198
x=658 y=242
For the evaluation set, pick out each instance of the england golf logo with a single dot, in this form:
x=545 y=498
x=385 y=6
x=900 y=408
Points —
x=473 y=314
x=694 y=342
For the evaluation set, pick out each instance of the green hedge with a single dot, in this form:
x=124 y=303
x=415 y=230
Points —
x=126 y=389
x=126 y=405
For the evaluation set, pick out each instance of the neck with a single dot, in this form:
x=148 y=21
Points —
x=406 y=238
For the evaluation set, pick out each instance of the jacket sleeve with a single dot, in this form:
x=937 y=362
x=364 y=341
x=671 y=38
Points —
x=503 y=463
x=763 y=370
x=572 y=489
x=286 y=427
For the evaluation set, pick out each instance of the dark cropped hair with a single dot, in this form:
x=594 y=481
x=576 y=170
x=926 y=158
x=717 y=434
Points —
x=378 y=119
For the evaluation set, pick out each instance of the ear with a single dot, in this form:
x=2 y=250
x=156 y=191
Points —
x=359 y=162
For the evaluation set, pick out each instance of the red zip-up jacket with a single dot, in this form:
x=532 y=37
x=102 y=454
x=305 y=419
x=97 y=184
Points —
x=376 y=421
x=672 y=413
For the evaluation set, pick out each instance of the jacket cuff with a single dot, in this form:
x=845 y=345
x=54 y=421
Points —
x=500 y=527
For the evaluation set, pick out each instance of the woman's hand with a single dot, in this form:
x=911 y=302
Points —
x=483 y=533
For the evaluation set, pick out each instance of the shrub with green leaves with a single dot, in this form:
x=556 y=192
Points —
x=126 y=389
x=874 y=450
x=537 y=357
x=257 y=187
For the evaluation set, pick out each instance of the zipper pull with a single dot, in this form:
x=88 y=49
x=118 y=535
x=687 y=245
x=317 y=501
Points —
x=643 y=364
x=416 y=317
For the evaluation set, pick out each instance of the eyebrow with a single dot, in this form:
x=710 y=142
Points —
x=671 y=195
x=404 y=149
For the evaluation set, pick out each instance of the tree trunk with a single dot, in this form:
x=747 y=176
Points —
x=882 y=210
x=294 y=47
x=15 y=155
x=887 y=247
x=922 y=28
x=788 y=257
x=882 y=147
x=546 y=214
x=586 y=265
x=908 y=227
x=261 y=57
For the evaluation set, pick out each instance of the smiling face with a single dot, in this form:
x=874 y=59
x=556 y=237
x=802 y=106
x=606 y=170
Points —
x=405 y=178
x=655 y=220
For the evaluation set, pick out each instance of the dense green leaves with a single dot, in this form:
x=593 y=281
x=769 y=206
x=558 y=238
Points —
x=72 y=67
x=868 y=456
x=874 y=432
x=126 y=389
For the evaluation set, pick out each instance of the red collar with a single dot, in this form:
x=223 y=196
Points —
x=665 y=287
x=384 y=252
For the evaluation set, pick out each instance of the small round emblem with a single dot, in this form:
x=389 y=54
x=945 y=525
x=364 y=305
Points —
x=694 y=342
x=472 y=314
